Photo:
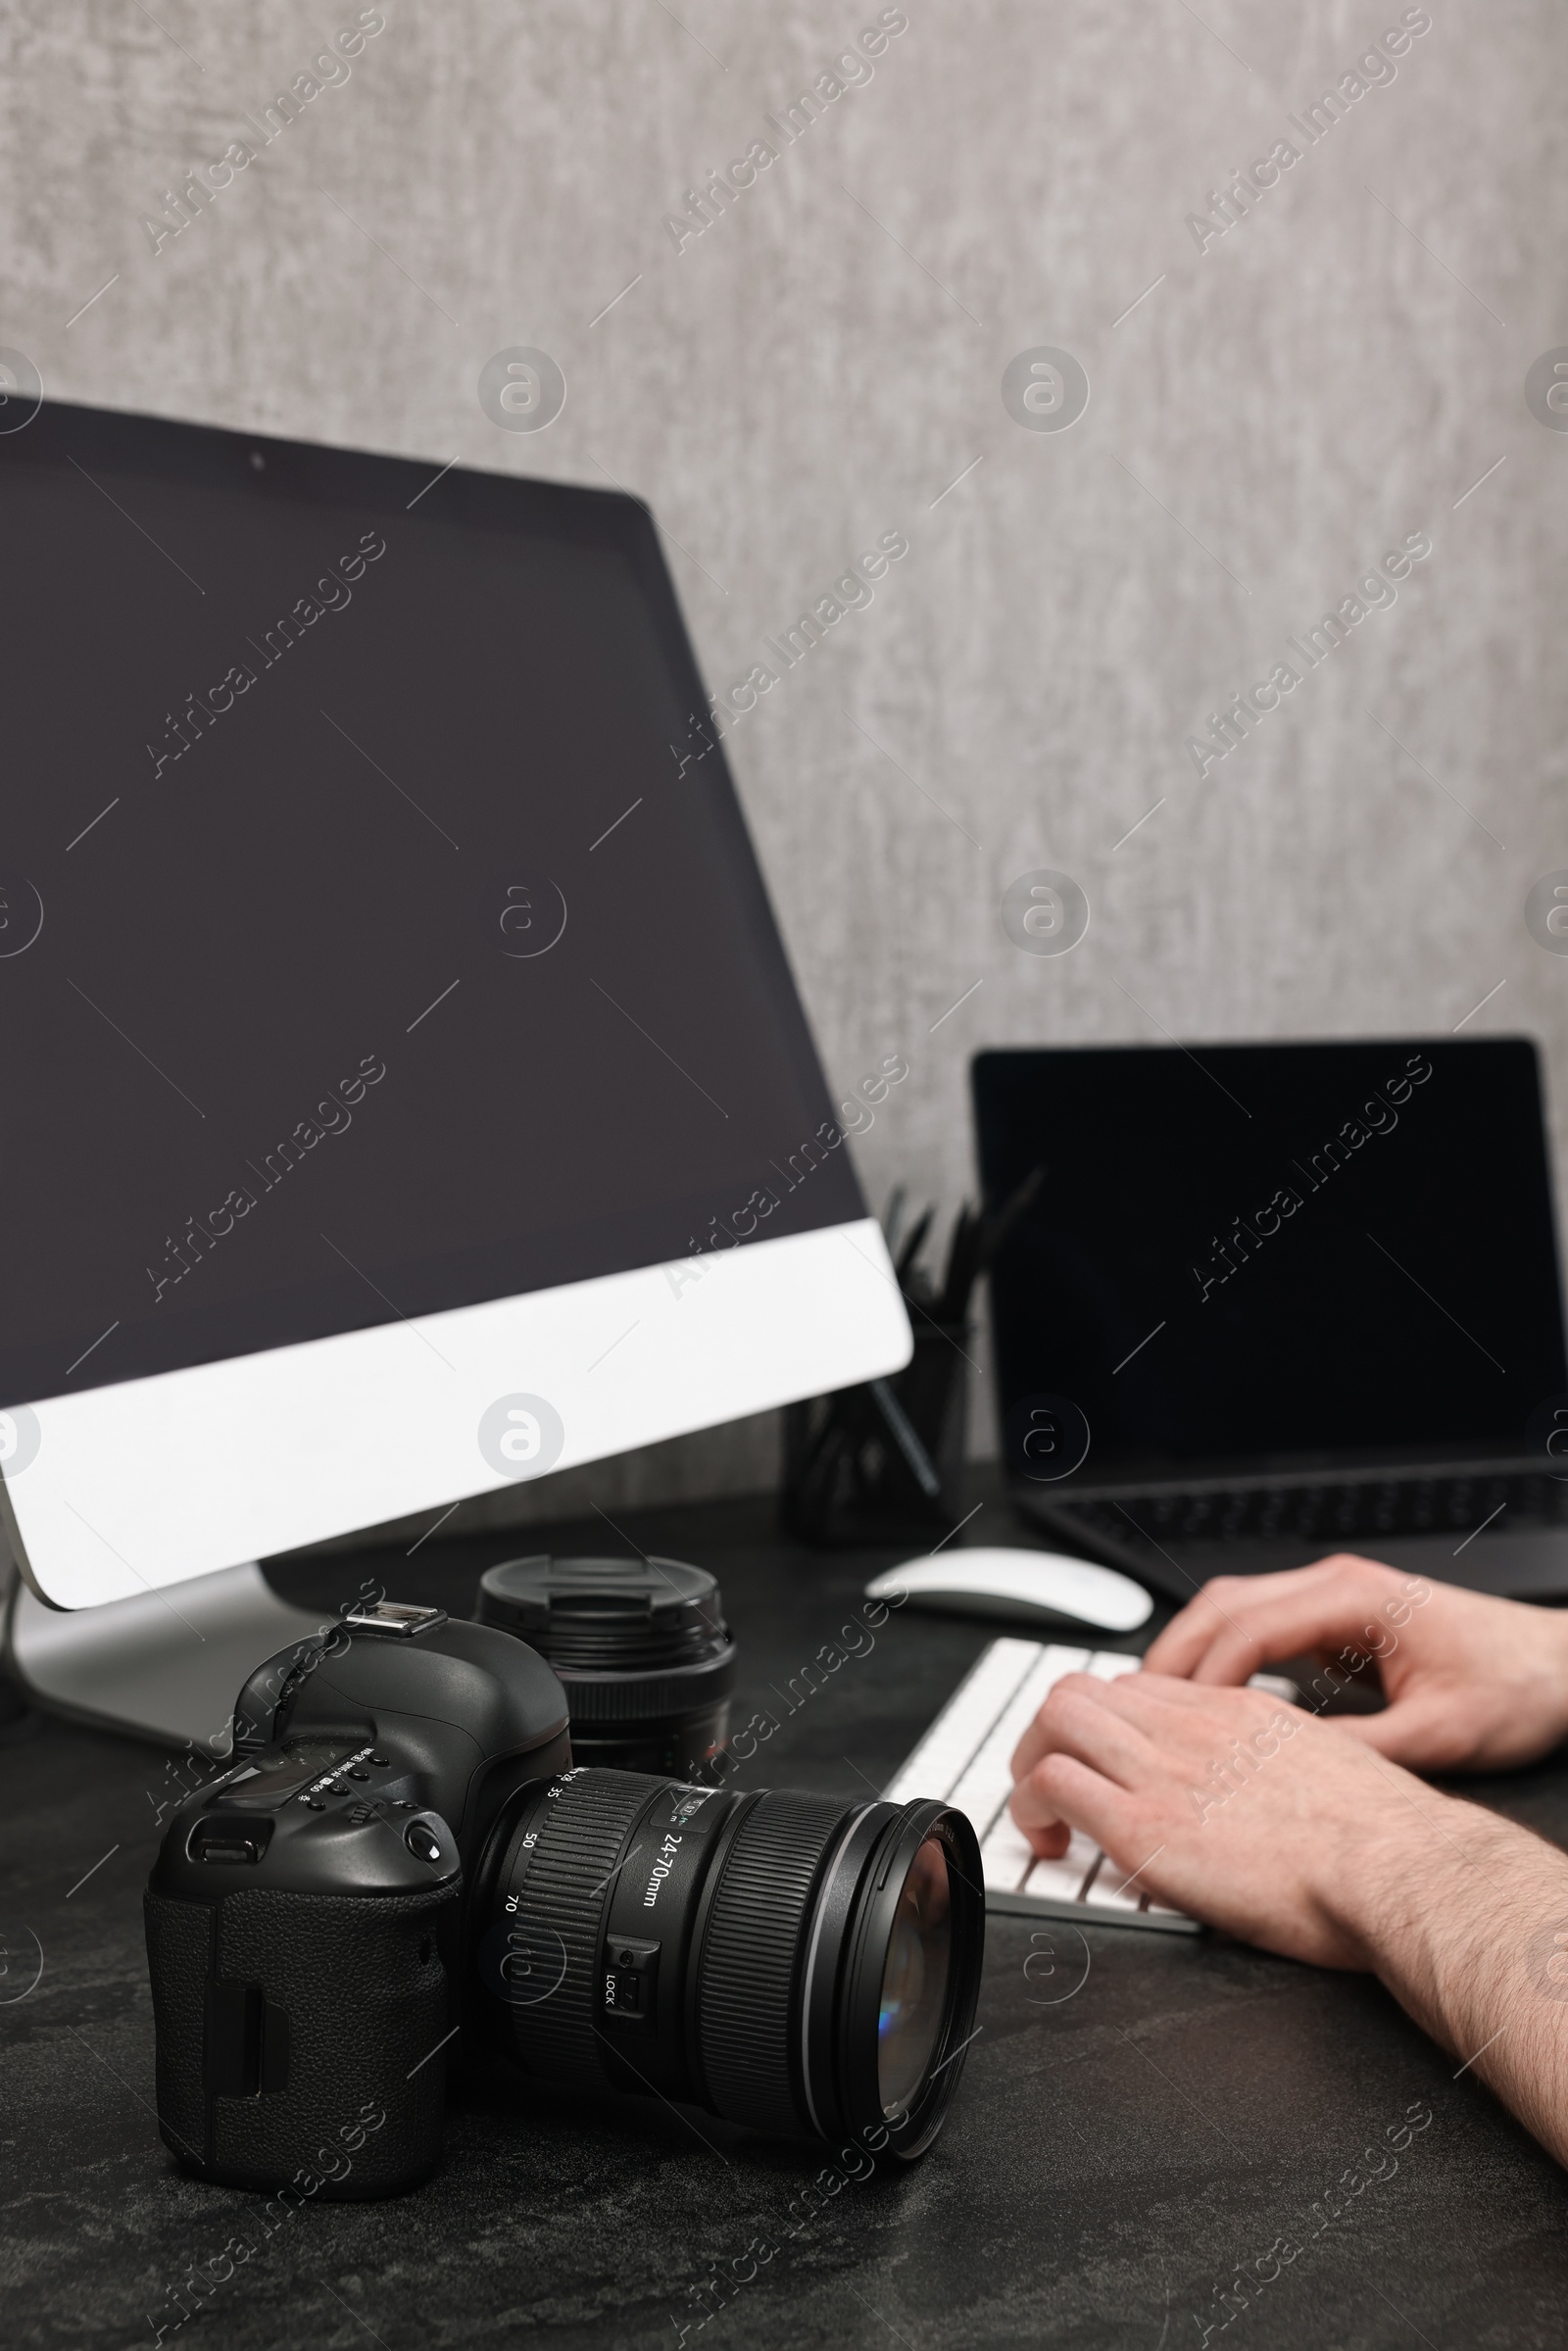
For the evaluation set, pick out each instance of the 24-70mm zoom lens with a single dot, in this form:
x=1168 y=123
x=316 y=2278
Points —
x=788 y=1961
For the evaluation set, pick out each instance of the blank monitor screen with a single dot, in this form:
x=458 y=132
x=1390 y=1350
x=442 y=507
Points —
x=380 y=932
x=1276 y=1254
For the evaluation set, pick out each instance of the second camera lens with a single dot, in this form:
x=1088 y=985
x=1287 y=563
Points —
x=642 y=1649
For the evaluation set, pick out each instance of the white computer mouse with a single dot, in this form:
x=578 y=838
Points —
x=1018 y=1584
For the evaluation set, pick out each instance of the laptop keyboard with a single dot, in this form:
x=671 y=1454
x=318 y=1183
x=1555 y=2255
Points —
x=1327 y=1512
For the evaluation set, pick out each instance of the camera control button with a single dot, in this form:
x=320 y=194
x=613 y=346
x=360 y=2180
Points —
x=225 y=1841
x=423 y=1842
x=357 y=1774
x=631 y=1979
x=314 y=1804
x=382 y=1762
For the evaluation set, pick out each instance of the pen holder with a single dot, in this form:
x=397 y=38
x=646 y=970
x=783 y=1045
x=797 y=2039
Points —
x=882 y=1463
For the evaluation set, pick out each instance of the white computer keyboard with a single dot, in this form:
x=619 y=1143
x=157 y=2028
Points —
x=963 y=1758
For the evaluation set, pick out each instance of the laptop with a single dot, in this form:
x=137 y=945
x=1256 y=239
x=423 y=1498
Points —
x=1270 y=1302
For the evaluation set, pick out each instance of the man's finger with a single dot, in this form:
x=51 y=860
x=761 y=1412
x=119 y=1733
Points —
x=1190 y=1726
x=1167 y=1708
x=1348 y=1609
x=1062 y=1788
x=1224 y=1602
x=1038 y=1738
x=1175 y=1690
x=1076 y=1719
x=1044 y=1733
x=1238 y=1623
x=1426 y=1731
x=1338 y=1618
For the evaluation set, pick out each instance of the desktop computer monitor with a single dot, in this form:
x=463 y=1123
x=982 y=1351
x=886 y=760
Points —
x=406 y=1089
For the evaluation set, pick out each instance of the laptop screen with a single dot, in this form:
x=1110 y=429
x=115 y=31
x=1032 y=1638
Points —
x=1270 y=1256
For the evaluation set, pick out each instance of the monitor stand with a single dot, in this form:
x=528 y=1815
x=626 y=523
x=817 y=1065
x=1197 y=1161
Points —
x=165 y=1665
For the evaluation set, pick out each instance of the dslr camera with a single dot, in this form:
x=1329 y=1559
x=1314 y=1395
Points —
x=401 y=1860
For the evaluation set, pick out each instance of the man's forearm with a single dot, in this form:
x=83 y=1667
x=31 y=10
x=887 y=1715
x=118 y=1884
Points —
x=1464 y=1916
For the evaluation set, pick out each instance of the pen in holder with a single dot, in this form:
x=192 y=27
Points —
x=883 y=1463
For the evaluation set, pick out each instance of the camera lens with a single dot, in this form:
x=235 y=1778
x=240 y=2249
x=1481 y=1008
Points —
x=642 y=1651
x=788 y=1961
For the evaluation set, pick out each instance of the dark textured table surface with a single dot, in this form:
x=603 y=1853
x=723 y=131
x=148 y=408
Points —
x=1132 y=2136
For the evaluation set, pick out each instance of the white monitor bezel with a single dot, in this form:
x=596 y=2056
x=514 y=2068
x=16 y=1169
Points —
x=139 y=1486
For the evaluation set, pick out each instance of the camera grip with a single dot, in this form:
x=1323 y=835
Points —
x=284 y=2018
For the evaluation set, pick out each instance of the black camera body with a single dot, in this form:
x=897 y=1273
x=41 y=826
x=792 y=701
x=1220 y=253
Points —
x=303 y=1918
x=403 y=1845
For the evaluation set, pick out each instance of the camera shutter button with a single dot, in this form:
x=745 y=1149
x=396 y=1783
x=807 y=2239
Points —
x=422 y=1841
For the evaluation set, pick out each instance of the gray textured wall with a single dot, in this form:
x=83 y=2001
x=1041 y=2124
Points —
x=814 y=368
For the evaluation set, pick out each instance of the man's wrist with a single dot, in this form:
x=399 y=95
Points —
x=1410 y=1886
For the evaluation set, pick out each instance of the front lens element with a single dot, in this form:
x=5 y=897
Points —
x=914 y=1981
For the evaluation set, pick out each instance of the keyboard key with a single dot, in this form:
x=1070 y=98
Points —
x=1063 y=1881
x=1007 y=1856
x=1069 y=1661
x=1115 y=1891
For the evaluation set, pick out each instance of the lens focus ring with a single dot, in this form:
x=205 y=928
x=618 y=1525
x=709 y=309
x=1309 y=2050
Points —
x=747 y=2023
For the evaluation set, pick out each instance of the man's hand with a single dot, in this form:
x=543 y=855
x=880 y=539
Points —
x=1299 y=1836
x=1470 y=1680
x=1241 y=1811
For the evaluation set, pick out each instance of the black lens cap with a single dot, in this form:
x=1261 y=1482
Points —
x=608 y=1615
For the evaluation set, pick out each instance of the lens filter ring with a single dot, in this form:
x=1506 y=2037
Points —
x=910 y=1979
x=863 y=1830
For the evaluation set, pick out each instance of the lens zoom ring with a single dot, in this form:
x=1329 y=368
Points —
x=747 y=2010
x=561 y=1901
